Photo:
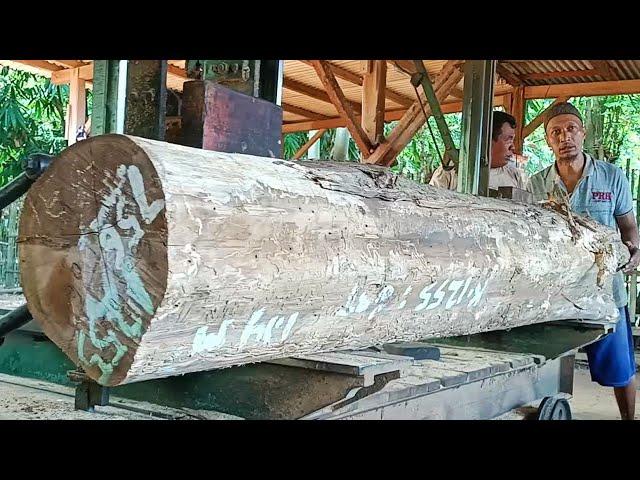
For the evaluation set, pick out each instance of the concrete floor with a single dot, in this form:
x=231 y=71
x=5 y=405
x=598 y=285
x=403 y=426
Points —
x=591 y=401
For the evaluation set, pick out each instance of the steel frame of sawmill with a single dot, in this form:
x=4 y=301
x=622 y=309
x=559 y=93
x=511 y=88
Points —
x=490 y=376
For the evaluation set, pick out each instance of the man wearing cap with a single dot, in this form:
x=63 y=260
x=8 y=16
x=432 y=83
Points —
x=503 y=173
x=601 y=191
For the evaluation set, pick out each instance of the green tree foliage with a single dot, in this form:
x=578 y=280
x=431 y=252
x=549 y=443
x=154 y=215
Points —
x=32 y=114
x=294 y=141
x=612 y=124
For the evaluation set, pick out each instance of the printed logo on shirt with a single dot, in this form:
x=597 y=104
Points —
x=601 y=196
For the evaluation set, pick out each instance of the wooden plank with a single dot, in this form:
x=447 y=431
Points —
x=414 y=118
x=176 y=71
x=516 y=360
x=509 y=76
x=409 y=386
x=77 y=106
x=457 y=92
x=358 y=80
x=373 y=101
x=344 y=108
x=389 y=116
x=405 y=66
x=303 y=112
x=562 y=74
x=434 y=369
x=348 y=363
x=587 y=89
x=313 y=92
x=536 y=122
x=40 y=64
x=496 y=364
x=507 y=100
x=309 y=144
x=518 y=111
x=340 y=72
x=335 y=122
x=63 y=76
x=69 y=63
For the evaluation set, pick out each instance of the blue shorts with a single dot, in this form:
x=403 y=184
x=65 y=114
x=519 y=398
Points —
x=611 y=360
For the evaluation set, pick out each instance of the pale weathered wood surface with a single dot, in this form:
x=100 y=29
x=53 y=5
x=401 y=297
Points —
x=143 y=259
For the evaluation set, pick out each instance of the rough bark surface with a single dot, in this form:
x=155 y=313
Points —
x=143 y=259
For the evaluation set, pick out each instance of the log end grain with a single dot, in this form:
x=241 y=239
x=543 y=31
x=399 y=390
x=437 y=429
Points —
x=93 y=252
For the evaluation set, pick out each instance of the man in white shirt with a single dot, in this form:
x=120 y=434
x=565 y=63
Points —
x=503 y=172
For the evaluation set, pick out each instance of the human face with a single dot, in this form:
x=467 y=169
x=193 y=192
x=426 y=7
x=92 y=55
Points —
x=565 y=135
x=502 y=149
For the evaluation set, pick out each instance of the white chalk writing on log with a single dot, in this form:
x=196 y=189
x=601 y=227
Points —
x=446 y=294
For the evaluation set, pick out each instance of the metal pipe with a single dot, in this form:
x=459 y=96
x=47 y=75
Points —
x=14 y=320
x=33 y=166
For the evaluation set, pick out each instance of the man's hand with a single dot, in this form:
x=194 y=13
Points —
x=633 y=262
x=629 y=236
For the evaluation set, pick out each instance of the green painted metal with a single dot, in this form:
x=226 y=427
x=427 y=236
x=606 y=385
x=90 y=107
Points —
x=143 y=107
x=473 y=172
x=105 y=96
x=259 y=391
x=24 y=355
x=422 y=77
x=257 y=78
x=240 y=75
x=547 y=339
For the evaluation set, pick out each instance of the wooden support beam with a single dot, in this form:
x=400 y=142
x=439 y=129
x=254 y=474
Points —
x=342 y=105
x=61 y=77
x=518 y=110
x=389 y=116
x=509 y=76
x=340 y=72
x=457 y=92
x=176 y=71
x=303 y=112
x=536 y=122
x=373 y=101
x=358 y=80
x=507 y=100
x=562 y=74
x=313 y=92
x=414 y=118
x=309 y=144
x=336 y=122
x=586 y=89
x=405 y=66
x=77 y=105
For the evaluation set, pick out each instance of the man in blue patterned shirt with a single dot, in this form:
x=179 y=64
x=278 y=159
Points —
x=601 y=191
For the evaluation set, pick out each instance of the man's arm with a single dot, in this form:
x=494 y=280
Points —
x=629 y=234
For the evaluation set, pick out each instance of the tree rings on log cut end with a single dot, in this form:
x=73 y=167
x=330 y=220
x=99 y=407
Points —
x=93 y=252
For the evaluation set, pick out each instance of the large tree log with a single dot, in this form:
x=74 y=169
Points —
x=143 y=259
